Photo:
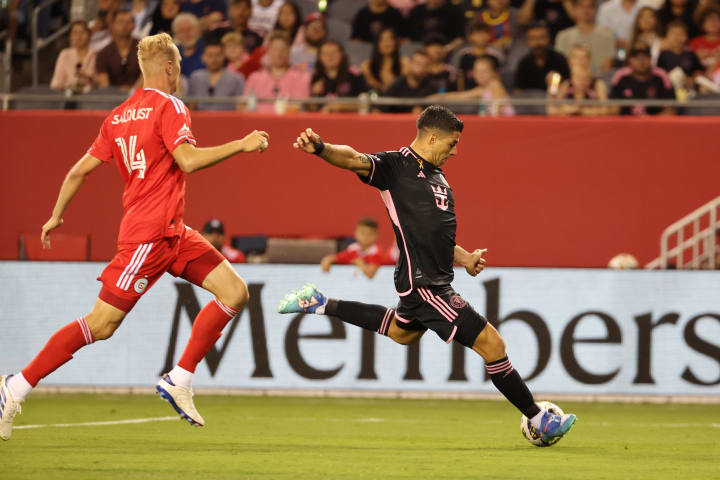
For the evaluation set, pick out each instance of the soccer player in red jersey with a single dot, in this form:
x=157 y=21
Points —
x=150 y=139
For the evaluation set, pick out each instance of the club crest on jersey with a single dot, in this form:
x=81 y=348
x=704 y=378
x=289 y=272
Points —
x=141 y=285
x=184 y=130
x=457 y=301
x=441 y=197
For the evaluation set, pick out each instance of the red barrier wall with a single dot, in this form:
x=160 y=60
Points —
x=535 y=191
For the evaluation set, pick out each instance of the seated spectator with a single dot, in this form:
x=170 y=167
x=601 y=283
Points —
x=678 y=55
x=535 y=67
x=117 y=64
x=334 y=77
x=142 y=12
x=364 y=253
x=436 y=16
x=503 y=24
x=623 y=261
x=471 y=9
x=163 y=16
x=75 y=66
x=289 y=21
x=581 y=86
x=240 y=12
x=639 y=80
x=555 y=14
x=479 y=39
x=208 y=12
x=214 y=232
x=707 y=46
x=443 y=75
x=683 y=10
x=100 y=27
x=377 y=16
x=599 y=40
x=619 y=16
x=264 y=16
x=278 y=80
x=214 y=80
x=647 y=29
x=186 y=32
x=487 y=88
x=234 y=50
x=305 y=54
x=416 y=84
x=385 y=65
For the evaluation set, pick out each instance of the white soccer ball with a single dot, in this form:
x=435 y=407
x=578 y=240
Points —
x=528 y=430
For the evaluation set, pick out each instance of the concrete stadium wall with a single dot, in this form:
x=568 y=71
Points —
x=534 y=191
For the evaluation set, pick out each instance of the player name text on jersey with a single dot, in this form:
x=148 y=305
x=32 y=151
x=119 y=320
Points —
x=132 y=114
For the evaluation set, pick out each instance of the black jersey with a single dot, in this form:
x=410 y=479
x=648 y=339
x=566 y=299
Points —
x=422 y=210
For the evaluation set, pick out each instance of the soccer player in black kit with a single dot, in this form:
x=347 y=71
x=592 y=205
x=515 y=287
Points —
x=421 y=206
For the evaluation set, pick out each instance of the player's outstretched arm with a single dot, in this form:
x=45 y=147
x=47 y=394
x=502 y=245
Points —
x=191 y=159
x=72 y=183
x=473 y=262
x=341 y=156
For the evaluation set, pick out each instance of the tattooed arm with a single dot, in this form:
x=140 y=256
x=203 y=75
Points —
x=341 y=156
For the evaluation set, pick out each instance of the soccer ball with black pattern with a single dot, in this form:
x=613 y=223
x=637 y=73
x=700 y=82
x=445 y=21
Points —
x=528 y=430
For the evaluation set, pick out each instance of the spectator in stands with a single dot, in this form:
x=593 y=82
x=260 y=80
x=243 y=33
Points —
x=647 y=29
x=556 y=14
x=363 y=253
x=278 y=80
x=142 y=12
x=163 y=16
x=214 y=232
x=436 y=16
x=234 y=50
x=503 y=23
x=683 y=10
x=214 y=80
x=619 y=16
x=443 y=75
x=535 y=68
x=599 y=40
x=304 y=54
x=117 y=64
x=623 y=261
x=75 y=66
x=371 y=20
x=334 y=77
x=100 y=27
x=289 y=20
x=479 y=38
x=416 y=84
x=639 y=80
x=208 y=12
x=385 y=65
x=264 y=16
x=487 y=88
x=677 y=54
x=240 y=12
x=707 y=46
x=186 y=32
x=581 y=86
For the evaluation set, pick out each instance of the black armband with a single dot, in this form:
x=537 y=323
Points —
x=319 y=146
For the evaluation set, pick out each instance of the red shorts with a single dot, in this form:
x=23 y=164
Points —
x=136 y=267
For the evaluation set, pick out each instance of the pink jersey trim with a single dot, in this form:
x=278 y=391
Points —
x=372 y=171
x=387 y=198
x=401 y=319
x=452 y=335
x=663 y=76
x=623 y=72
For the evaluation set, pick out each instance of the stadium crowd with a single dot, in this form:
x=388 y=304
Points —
x=483 y=50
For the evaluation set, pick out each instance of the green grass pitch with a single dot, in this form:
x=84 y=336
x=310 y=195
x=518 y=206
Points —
x=304 y=438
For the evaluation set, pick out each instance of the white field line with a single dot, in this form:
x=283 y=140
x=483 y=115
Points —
x=99 y=424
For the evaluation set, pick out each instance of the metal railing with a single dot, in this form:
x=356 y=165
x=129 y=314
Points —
x=703 y=224
x=6 y=68
x=40 y=43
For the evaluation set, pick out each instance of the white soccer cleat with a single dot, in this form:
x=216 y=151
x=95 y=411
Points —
x=9 y=408
x=181 y=399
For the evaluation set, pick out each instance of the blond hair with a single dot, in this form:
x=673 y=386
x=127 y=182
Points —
x=232 y=37
x=155 y=47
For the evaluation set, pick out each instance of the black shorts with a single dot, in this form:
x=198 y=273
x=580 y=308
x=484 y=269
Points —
x=442 y=310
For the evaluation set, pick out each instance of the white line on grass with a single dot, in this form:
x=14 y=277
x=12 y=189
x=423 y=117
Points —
x=99 y=424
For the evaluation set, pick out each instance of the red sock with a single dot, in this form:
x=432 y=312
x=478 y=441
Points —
x=58 y=350
x=206 y=330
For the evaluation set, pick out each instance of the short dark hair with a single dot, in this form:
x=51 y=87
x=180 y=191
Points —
x=539 y=24
x=368 y=222
x=708 y=12
x=676 y=24
x=122 y=11
x=236 y=2
x=479 y=26
x=492 y=60
x=434 y=39
x=441 y=118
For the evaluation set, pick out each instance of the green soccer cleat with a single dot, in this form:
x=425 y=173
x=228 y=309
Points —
x=306 y=300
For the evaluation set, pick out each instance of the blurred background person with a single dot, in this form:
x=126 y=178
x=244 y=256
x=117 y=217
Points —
x=142 y=12
x=208 y=12
x=117 y=64
x=374 y=18
x=503 y=24
x=479 y=39
x=648 y=29
x=535 y=68
x=363 y=253
x=385 y=64
x=334 y=77
x=619 y=16
x=289 y=20
x=188 y=37
x=707 y=45
x=163 y=17
x=677 y=55
x=214 y=80
x=75 y=66
x=442 y=74
x=436 y=16
x=100 y=26
x=239 y=13
x=580 y=86
x=304 y=54
x=415 y=84
x=264 y=16
x=683 y=10
x=234 y=50
x=555 y=14
x=214 y=232
x=599 y=40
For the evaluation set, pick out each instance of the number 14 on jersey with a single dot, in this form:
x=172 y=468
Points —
x=132 y=160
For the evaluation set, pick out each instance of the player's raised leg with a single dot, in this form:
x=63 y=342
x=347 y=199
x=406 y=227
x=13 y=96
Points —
x=99 y=324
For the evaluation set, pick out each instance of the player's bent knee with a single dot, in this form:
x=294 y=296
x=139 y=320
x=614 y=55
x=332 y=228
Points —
x=237 y=294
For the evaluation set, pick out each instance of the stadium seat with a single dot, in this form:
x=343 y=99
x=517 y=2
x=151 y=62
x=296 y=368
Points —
x=256 y=244
x=299 y=250
x=339 y=30
x=358 y=52
x=58 y=104
x=65 y=247
x=408 y=48
x=115 y=97
x=345 y=9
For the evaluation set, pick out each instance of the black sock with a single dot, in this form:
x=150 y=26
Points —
x=370 y=317
x=508 y=381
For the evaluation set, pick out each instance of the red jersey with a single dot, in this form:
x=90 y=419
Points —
x=372 y=255
x=140 y=135
x=233 y=255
